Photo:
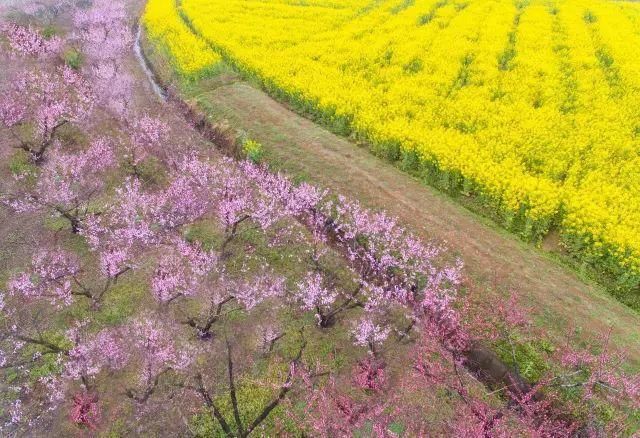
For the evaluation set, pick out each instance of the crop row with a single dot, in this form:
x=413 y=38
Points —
x=190 y=56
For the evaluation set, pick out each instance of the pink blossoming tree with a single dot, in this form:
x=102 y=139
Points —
x=104 y=33
x=37 y=104
x=28 y=41
x=67 y=184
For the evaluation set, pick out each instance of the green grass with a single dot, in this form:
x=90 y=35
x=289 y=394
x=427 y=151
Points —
x=531 y=358
x=117 y=306
x=20 y=164
x=73 y=58
x=252 y=398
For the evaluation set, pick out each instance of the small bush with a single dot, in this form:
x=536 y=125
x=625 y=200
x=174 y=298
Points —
x=413 y=66
x=253 y=150
x=49 y=31
x=73 y=58
x=589 y=17
x=529 y=358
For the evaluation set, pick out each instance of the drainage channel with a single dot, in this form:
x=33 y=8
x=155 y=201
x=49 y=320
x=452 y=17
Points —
x=144 y=63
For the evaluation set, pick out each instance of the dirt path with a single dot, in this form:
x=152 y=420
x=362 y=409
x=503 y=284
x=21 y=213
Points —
x=301 y=147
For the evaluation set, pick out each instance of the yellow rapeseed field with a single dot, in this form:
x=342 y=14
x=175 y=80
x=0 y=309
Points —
x=190 y=55
x=533 y=105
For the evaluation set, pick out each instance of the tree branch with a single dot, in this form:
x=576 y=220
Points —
x=232 y=391
x=149 y=390
x=284 y=389
x=210 y=404
x=53 y=347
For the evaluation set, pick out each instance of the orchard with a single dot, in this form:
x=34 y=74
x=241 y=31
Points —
x=164 y=289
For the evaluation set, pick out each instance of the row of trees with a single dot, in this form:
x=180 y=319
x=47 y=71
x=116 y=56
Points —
x=398 y=288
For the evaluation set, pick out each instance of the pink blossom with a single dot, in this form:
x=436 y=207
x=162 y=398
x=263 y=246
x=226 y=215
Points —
x=103 y=29
x=123 y=229
x=26 y=203
x=89 y=356
x=369 y=374
x=262 y=287
x=16 y=412
x=268 y=336
x=56 y=387
x=148 y=135
x=114 y=260
x=305 y=197
x=200 y=261
x=181 y=203
x=49 y=278
x=28 y=41
x=85 y=410
x=171 y=279
x=182 y=271
x=12 y=111
x=602 y=373
x=46 y=101
x=368 y=334
x=313 y=294
x=106 y=37
x=157 y=349
x=68 y=182
x=332 y=414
